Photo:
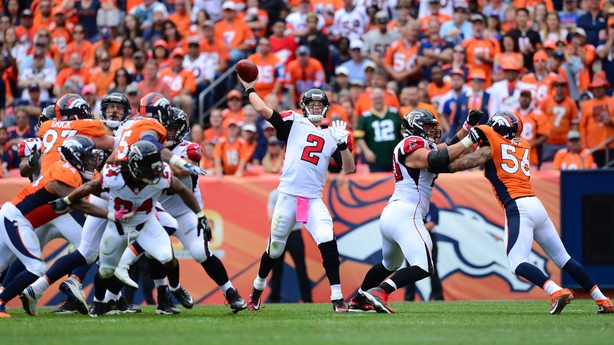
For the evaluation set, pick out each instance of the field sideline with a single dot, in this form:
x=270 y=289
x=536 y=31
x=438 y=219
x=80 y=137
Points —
x=499 y=322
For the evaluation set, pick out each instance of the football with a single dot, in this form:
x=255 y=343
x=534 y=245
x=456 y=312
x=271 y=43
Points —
x=247 y=70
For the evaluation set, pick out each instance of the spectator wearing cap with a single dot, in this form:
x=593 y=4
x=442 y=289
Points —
x=481 y=50
x=180 y=80
x=378 y=40
x=341 y=79
x=152 y=83
x=61 y=29
x=282 y=45
x=573 y=156
x=562 y=113
x=433 y=6
x=271 y=69
x=125 y=57
x=155 y=32
x=231 y=152
x=215 y=51
x=235 y=34
x=373 y=138
x=541 y=79
x=33 y=104
x=74 y=76
x=89 y=94
x=505 y=94
x=474 y=98
x=249 y=133
x=274 y=157
x=144 y=12
x=303 y=74
x=459 y=28
x=570 y=14
x=597 y=121
x=43 y=17
x=350 y=21
x=79 y=45
x=132 y=93
x=234 y=111
x=103 y=79
x=356 y=65
x=401 y=56
x=535 y=126
x=529 y=39
x=257 y=19
x=139 y=66
x=433 y=51
x=605 y=52
x=25 y=31
x=413 y=99
x=216 y=129
x=458 y=85
x=404 y=8
x=368 y=68
x=44 y=76
x=357 y=88
x=335 y=108
x=593 y=21
x=202 y=65
x=317 y=42
x=586 y=53
x=181 y=17
x=107 y=42
x=268 y=132
x=298 y=20
x=16 y=134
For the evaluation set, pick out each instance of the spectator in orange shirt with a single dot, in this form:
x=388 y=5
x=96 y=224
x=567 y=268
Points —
x=181 y=17
x=234 y=112
x=257 y=19
x=597 y=120
x=60 y=29
x=401 y=60
x=180 y=80
x=249 y=134
x=103 y=78
x=570 y=158
x=230 y=153
x=438 y=87
x=161 y=54
x=234 y=33
x=172 y=36
x=25 y=31
x=152 y=83
x=511 y=51
x=206 y=162
x=42 y=18
x=270 y=69
x=121 y=81
x=562 y=114
x=378 y=80
x=79 y=45
x=74 y=76
x=413 y=97
x=434 y=7
x=124 y=59
x=217 y=130
x=303 y=74
x=106 y=40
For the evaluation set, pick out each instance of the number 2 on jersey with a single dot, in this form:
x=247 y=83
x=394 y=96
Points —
x=309 y=152
x=51 y=137
x=510 y=162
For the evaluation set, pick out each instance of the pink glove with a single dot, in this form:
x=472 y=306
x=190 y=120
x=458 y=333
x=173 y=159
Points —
x=121 y=216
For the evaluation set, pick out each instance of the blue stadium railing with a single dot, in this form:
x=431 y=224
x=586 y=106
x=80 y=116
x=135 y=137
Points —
x=607 y=153
x=204 y=113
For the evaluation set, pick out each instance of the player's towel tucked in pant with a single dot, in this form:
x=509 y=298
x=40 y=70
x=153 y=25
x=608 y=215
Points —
x=18 y=239
x=525 y=219
x=404 y=237
x=319 y=223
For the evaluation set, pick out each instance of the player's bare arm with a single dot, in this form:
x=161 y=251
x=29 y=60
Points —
x=105 y=142
x=91 y=187
x=25 y=170
x=423 y=158
x=62 y=190
x=256 y=101
x=348 y=166
x=472 y=160
x=186 y=195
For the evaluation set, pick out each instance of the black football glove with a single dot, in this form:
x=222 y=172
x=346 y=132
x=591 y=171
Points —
x=203 y=226
x=474 y=135
x=474 y=117
x=60 y=205
x=33 y=159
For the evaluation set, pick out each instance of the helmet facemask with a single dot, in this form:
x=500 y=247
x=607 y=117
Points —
x=114 y=114
x=147 y=169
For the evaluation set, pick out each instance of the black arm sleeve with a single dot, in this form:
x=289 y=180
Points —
x=337 y=157
x=452 y=140
x=282 y=127
x=438 y=159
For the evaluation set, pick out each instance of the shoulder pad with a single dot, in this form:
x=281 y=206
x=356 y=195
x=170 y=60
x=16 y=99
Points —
x=413 y=143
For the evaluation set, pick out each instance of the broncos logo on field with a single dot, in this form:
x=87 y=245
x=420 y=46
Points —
x=468 y=242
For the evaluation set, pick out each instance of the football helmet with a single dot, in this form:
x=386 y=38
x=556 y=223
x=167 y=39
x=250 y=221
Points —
x=506 y=124
x=178 y=127
x=46 y=114
x=154 y=105
x=120 y=109
x=72 y=107
x=414 y=123
x=314 y=95
x=82 y=154
x=145 y=162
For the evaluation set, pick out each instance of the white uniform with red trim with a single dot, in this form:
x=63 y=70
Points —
x=401 y=224
x=142 y=226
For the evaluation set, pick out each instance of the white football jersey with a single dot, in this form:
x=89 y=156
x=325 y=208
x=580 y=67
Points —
x=142 y=200
x=298 y=21
x=412 y=185
x=308 y=152
x=204 y=66
x=351 y=24
x=172 y=203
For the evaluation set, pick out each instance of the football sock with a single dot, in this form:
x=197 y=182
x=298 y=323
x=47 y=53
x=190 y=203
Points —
x=109 y=296
x=403 y=277
x=64 y=265
x=156 y=270
x=100 y=287
x=596 y=294
x=215 y=270
x=2 y=275
x=40 y=286
x=115 y=285
x=137 y=248
x=335 y=292
x=579 y=274
x=259 y=283
x=128 y=257
x=532 y=274
x=375 y=276
x=173 y=276
x=21 y=281
x=81 y=271
x=551 y=287
x=266 y=265
x=14 y=269
x=330 y=261
x=226 y=286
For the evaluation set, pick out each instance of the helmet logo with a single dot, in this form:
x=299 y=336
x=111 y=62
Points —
x=135 y=153
x=503 y=121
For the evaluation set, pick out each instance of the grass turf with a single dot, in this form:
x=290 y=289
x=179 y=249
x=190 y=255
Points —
x=518 y=322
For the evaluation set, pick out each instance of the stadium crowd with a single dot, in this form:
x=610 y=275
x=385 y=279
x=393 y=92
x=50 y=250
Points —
x=552 y=62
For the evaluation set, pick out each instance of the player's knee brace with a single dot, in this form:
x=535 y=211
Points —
x=330 y=253
x=106 y=272
x=276 y=248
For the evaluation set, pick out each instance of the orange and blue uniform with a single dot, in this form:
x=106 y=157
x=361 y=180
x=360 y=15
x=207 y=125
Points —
x=133 y=133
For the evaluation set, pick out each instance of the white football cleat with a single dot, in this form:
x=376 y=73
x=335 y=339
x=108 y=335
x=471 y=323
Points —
x=121 y=272
x=29 y=301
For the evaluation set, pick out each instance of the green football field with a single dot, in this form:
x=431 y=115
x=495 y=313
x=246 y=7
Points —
x=518 y=322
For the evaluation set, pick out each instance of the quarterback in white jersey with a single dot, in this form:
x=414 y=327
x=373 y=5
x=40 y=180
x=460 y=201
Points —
x=416 y=161
x=309 y=149
x=350 y=21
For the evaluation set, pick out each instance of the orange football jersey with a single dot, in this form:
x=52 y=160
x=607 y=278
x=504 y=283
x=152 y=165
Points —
x=592 y=128
x=235 y=34
x=231 y=153
x=270 y=71
x=133 y=133
x=436 y=93
x=509 y=170
x=262 y=16
x=363 y=103
x=440 y=17
x=304 y=78
x=85 y=50
x=33 y=199
x=401 y=57
x=534 y=123
x=53 y=133
x=184 y=79
x=505 y=58
x=489 y=47
x=561 y=116
x=565 y=160
x=540 y=88
x=61 y=36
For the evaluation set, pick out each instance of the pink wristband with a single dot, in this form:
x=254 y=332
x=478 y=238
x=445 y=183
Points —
x=467 y=126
